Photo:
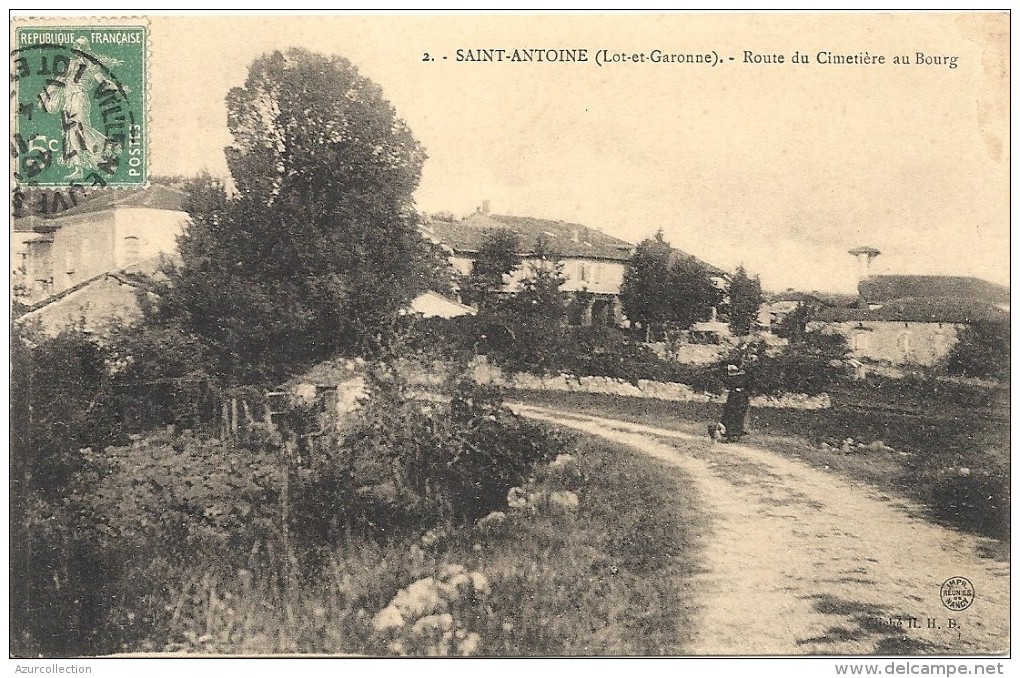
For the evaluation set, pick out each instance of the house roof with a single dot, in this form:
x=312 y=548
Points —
x=155 y=196
x=117 y=276
x=566 y=239
x=912 y=309
x=678 y=255
x=878 y=289
x=434 y=305
x=818 y=298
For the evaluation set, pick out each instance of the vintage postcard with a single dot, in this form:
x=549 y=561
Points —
x=511 y=334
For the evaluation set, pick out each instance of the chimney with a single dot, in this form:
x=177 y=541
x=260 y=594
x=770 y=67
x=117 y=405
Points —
x=486 y=204
x=575 y=236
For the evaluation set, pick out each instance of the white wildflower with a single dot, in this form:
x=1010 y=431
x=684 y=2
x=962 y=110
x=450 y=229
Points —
x=451 y=570
x=433 y=624
x=420 y=599
x=480 y=584
x=456 y=586
x=387 y=618
x=469 y=645
x=564 y=462
x=431 y=538
x=564 y=500
x=494 y=519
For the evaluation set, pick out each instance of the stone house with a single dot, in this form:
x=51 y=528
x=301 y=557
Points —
x=912 y=319
x=86 y=264
x=593 y=262
x=109 y=233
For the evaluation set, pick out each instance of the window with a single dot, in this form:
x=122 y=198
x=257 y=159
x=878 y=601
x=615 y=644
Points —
x=132 y=248
x=904 y=341
x=583 y=275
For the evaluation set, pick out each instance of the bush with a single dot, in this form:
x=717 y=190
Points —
x=967 y=489
x=446 y=463
x=109 y=549
x=605 y=352
x=982 y=350
x=811 y=364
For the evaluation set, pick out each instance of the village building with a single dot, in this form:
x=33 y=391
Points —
x=593 y=262
x=911 y=319
x=85 y=266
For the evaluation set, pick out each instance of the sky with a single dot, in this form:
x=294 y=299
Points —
x=779 y=167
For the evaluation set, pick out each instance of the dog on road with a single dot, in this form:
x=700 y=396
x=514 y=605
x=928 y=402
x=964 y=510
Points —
x=717 y=432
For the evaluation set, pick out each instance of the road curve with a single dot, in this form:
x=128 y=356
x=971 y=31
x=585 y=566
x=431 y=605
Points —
x=799 y=561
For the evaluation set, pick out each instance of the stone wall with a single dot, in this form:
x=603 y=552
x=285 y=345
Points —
x=484 y=373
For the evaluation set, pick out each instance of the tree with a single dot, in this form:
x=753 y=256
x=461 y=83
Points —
x=745 y=300
x=660 y=286
x=693 y=294
x=497 y=257
x=59 y=404
x=526 y=329
x=794 y=324
x=316 y=249
x=645 y=291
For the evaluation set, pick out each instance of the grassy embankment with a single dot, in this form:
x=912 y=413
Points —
x=612 y=578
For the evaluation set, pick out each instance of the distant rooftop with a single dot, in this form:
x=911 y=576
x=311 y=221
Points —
x=564 y=238
x=929 y=310
x=878 y=289
x=155 y=196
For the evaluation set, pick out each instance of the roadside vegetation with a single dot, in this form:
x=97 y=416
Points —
x=424 y=527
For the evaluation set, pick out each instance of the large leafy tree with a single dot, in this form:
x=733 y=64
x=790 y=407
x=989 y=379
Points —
x=982 y=350
x=661 y=286
x=316 y=248
x=745 y=300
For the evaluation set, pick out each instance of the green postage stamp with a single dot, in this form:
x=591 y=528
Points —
x=79 y=106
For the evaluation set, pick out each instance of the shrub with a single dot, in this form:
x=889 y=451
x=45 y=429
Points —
x=810 y=364
x=526 y=331
x=605 y=352
x=967 y=489
x=982 y=350
x=183 y=494
x=446 y=463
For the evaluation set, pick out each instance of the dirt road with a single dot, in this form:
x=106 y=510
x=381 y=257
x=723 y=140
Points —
x=799 y=561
